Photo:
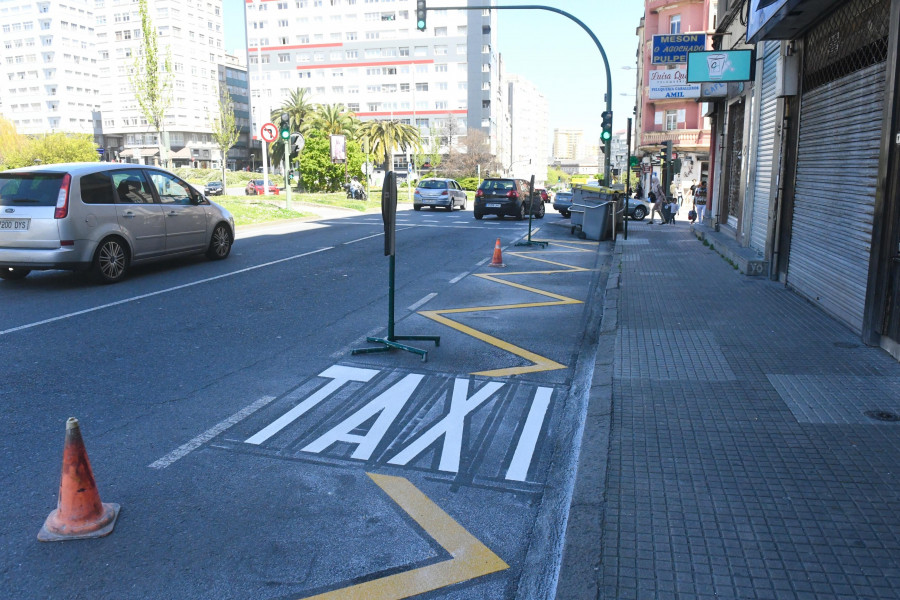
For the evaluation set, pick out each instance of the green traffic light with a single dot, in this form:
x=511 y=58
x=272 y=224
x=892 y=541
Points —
x=605 y=136
x=421 y=25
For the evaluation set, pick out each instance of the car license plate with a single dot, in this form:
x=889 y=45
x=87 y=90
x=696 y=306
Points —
x=492 y=205
x=14 y=224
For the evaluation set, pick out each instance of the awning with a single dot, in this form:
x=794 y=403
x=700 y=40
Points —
x=183 y=154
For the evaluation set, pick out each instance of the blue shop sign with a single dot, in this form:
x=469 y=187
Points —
x=673 y=48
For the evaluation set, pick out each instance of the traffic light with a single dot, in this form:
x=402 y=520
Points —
x=285 y=132
x=420 y=15
x=606 y=126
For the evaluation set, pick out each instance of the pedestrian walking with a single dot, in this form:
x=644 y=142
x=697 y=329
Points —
x=700 y=200
x=657 y=197
x=673 y=210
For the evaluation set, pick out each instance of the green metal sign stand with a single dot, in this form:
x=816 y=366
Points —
x=529 y=241
x=389 y=216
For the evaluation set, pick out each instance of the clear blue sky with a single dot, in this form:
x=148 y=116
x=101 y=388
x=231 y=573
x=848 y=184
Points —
x=554 y=53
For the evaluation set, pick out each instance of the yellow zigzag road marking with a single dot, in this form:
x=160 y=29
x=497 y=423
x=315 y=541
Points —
x=539 y=363
x=469 y=557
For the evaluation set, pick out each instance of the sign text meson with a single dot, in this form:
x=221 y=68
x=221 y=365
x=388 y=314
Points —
x=673 y=48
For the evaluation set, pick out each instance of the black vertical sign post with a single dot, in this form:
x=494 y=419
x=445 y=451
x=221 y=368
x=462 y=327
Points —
x=628 y=177
x=530 y=242
x=389 y=217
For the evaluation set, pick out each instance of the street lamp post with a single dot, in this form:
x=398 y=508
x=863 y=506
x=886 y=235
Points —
x=261 y=116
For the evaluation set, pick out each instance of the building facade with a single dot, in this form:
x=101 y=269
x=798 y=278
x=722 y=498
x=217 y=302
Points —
x=49 y=74
x=529 y=128
x=233 y=80
x=671 y=110
x=568 y=144
x=807 y=155
x=192 y=36
x=371 y=58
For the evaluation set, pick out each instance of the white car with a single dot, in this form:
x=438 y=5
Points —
x=439 y=193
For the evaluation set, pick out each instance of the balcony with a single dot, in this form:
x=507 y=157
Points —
x=683 y=139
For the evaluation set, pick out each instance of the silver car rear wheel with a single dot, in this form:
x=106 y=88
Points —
x=111 y=261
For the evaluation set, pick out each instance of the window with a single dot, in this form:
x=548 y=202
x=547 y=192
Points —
x=440 y=50
x=97 y=188
x=671 y=120
x=420 y=51
x=675 y=24
x=440 y=68
x=131 y=187
x=440 y=32
x=422 y=87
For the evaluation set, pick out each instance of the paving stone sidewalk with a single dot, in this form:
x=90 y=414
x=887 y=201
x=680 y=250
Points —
x=742 y=461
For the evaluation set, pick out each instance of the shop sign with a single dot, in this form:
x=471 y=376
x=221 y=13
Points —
x=670 y=84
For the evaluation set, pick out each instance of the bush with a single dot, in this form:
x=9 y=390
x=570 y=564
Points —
x=468 y=183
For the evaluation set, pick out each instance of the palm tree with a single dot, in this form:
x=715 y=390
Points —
x=384 y=136
x=335 y=119
x=300 y=111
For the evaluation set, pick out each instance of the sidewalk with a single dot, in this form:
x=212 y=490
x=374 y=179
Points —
x=741 y=462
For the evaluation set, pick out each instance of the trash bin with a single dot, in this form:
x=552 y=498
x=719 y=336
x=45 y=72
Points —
x=596 y=221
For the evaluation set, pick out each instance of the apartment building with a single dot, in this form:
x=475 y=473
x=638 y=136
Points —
x=233 y=80
x=529 y=122
x=49 y=73
x=192 y=35
x=368 y=55
x=568 y=144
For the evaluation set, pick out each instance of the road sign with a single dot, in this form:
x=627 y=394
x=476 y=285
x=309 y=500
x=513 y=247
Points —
x=269 y=132
x=101 y=151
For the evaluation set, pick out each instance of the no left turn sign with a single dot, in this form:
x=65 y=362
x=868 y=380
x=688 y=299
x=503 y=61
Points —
x=269 y=132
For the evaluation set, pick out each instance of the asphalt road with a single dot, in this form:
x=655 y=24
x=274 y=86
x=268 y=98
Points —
x=255 y=456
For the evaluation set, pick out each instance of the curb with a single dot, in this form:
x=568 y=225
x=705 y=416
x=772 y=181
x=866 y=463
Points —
x=579 y=577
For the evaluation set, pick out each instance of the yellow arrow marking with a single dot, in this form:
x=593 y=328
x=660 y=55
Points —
x=539 y=363
x=470 y=558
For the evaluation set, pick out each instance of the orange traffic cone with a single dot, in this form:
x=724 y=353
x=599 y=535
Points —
x=497 y=260
x=79 y=513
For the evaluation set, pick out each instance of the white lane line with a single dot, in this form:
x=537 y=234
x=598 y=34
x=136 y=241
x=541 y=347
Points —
x=413 y=307
x=458 y=277
x=157 y=293
x=363 y=238
x=481 y=262
x=209 y=434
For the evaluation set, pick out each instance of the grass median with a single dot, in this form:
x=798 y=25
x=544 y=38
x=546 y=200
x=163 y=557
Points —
x=253 y=210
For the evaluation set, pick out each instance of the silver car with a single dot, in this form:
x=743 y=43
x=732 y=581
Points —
x=439 y=193
x=103 y=218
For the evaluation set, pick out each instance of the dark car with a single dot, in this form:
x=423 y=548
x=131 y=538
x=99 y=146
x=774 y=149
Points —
x=563 y=203
x=506 y=197
x=213 y=188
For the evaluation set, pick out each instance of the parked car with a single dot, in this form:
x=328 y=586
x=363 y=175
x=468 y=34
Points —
x=637 y=208
x=256 y=187
x=506 y=197
x=103 y=218
x=563 y=202
x=545 y=197
x=439 y=193
x=214 y=188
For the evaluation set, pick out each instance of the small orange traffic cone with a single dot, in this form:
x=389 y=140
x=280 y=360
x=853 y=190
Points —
x=497 y=260
x=79 y=513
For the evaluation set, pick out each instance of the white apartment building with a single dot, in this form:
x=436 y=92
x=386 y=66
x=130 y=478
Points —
x=368 y=55
x=193 y=34
x=49 y=74
x=529 y=122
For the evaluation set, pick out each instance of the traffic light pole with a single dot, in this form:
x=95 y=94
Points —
x=287 y=172
x=573 y=18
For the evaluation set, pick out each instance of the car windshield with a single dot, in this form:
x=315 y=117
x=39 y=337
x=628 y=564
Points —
x=29 y=189
x=498 y=184
x=433 y=184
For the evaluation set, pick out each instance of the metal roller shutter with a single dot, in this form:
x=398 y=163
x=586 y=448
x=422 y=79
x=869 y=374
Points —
x=837 y=166
x=759 y=224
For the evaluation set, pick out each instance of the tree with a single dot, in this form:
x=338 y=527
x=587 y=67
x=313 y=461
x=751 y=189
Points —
x=317 y=171
x=10 y=141
x=224 y=128
x=477 y=154
x=433 y=156
x=51 y=149
x=335 y=119
x=151 y=79
x=555 y=175
x=300 y=112
x=384 y=136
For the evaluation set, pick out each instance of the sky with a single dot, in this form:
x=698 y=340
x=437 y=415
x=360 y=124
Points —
x=554 y=53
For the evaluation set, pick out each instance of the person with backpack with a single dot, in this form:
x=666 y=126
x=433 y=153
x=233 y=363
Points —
x=657 y=196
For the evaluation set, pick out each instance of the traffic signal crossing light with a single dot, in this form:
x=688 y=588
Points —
x=606 y=126
x=420 y=15
x=285 y=132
